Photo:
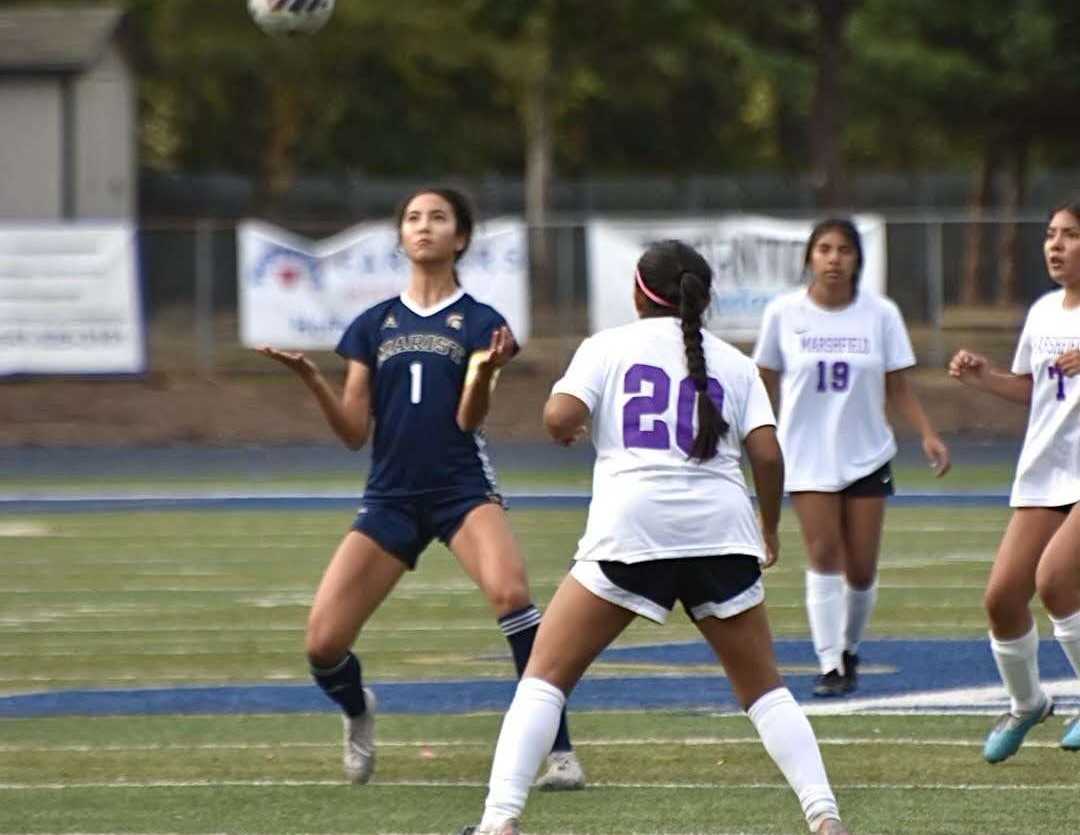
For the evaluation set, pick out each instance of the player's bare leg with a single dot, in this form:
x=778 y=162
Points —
x=360 y=576
x=743 y=643
x=821 y=522
x=486 y=548
x=863 y=517
x=1014 y=638
x=578 y=625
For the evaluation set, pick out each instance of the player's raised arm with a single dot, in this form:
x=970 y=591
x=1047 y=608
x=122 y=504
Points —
x=350 y=415
x=977 y=371
x=481 y=377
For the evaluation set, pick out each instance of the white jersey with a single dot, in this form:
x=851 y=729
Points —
x=1048 y=472
x=832 y=366
x=649 y=500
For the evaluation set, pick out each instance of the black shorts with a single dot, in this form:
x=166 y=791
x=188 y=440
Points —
x=404 y=527
x=1063 y=508
x=878 y=484
x=719 y=587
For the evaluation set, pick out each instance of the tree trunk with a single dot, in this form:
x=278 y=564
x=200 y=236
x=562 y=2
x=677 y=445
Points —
x=974 y=235
x=827 y=115
x=1009 y=253
x=538 y=174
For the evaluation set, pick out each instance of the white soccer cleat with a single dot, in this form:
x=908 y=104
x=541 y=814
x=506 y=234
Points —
x=564 y=773
x=359 y=759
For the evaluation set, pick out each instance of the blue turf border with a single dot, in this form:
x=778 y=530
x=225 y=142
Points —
x=186 y=501
x=904 y=666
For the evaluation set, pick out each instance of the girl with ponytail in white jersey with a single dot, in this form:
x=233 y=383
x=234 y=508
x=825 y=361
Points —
x=835 y=355
x=1040 y=550
x=670 y=520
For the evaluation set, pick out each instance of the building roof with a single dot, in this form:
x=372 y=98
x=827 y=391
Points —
x=40 y=39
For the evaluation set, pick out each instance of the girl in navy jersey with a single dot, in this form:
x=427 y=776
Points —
x=1040 y=551
x=834 y=355
x=670 y=520
x=420 y=367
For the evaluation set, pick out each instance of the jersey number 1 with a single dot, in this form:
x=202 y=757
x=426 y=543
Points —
x=655 y=404
x=416 y=378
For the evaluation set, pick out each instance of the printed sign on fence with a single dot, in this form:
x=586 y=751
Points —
x=301 y=294
x=69 y=300
x=753 y=260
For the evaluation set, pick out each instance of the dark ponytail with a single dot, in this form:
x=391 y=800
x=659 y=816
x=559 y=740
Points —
x=676 y=273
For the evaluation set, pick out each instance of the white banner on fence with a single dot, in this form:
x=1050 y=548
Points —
x=296 y=293
x=69 y=300
x=753 y=259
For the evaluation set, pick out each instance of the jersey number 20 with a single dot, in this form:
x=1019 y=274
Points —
x=655 y=404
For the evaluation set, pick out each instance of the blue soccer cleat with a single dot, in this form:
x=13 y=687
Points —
x=1071 y=740
x=1009 y=731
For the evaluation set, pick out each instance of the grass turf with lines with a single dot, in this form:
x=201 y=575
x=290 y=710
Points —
x=145 y=599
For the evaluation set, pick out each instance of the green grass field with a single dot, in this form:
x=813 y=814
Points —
x=178 y=598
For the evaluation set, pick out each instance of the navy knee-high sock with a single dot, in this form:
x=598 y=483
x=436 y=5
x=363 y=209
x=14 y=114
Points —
x=520 y=630
x=342 y=684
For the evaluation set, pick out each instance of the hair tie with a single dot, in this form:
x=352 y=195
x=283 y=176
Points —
x=649 y=294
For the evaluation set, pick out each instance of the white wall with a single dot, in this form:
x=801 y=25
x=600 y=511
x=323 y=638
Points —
x=30 y=148
x=104 y=133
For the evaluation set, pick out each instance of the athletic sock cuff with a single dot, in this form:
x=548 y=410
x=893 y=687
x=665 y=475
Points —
x=1022 y=647
x=519 y=621
x=772 y=699
x=541 y=691
x=1067 y=628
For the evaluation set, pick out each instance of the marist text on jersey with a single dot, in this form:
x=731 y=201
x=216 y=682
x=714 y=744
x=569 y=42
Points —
x=431 y=343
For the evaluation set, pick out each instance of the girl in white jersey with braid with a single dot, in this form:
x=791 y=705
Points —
x=1040 y=550
x=670 y=520
x=836 y=355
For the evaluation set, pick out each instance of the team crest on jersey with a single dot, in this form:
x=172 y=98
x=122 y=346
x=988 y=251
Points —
x=390 y=321
x=455 y=321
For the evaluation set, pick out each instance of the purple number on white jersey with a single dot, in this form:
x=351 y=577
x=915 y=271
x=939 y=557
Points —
x=655 y=404
x=1052 y=372
x=684 y=426
x=644 y=406
x=835 y=377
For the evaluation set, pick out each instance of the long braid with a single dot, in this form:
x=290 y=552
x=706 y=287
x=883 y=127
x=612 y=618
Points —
x=693 y=300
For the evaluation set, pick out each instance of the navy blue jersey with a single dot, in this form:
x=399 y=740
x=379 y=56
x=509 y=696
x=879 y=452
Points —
x=418 y=359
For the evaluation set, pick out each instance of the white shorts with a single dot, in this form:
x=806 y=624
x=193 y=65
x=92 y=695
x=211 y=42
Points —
x=719 y=587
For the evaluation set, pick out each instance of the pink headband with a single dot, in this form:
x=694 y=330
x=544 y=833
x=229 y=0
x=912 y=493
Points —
x=649 y=294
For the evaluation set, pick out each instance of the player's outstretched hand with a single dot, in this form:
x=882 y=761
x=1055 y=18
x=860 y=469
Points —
x=501 y=350
x=937 y=454
x=1069 y=363
x=293 y=360
x=968 y=367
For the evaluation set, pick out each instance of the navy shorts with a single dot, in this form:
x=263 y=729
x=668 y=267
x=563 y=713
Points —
x=405 y=526
x=719 y=587
x=878 y=484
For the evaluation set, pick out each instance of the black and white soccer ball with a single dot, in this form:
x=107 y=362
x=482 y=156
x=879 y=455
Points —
x=291 y=17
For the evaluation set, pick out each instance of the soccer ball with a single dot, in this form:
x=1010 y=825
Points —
x=291 y=17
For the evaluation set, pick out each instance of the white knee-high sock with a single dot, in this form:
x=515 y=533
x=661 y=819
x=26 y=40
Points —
x=528 y=730
x=1067 y=632
x=791 y=743
x=1018 y=663
x=859 y=605
x=825 y=611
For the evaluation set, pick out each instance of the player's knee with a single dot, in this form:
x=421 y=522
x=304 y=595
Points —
x=508 y=596
x=1056 y=588
x=1003 y=608
x=826 y=554
x=323 y=648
